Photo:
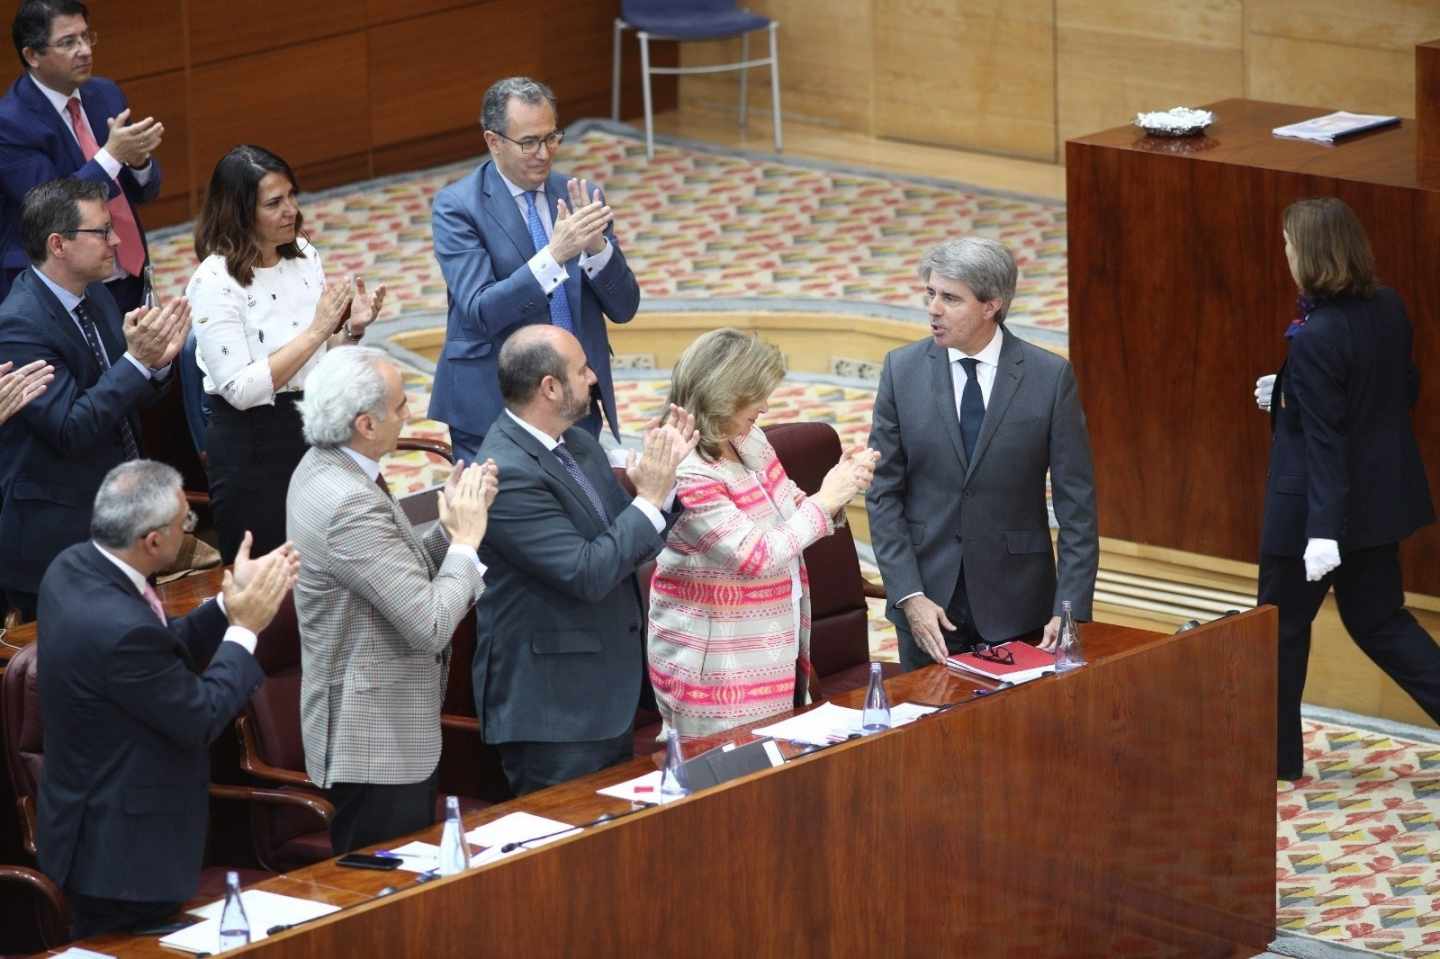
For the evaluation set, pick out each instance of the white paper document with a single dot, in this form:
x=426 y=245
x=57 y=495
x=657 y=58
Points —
x=1332 y=126
x=822 y=726
x=263 y=909
x=908 y=713
x=519 y=827
x=644 y=789
x=417 y=856
x=75 y=952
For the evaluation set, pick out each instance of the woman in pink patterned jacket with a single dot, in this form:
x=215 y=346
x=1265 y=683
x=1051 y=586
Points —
x=730 y=602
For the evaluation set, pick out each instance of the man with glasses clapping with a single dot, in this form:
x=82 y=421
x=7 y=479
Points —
x=520 y=244
x=58 y=120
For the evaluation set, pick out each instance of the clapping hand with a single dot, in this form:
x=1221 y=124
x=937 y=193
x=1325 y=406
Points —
x=364 y=308
x=464 y=504
x=254 y=604
x=1265 y=391
x=155 y=334
x=246 y=568
x=331 y=308
x=132 y=143
x=580 y=226
x=668 y=440
x=18 y=387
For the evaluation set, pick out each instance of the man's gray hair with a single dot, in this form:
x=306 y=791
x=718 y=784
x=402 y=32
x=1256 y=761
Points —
x=494 y=108
x=983 y=265
x=344 y=384
x=136 y=497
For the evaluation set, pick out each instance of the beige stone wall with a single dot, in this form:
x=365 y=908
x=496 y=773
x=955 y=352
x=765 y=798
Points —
x=1018 y=77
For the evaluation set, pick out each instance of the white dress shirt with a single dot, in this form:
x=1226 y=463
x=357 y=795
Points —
x=234 y=634
x=371 y=468
x=548 y=271
x=639 y=502
x=985 y=369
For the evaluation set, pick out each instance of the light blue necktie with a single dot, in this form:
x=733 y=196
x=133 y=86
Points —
x=559 y=304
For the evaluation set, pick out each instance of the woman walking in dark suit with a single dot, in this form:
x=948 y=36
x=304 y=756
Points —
x=1346 y=483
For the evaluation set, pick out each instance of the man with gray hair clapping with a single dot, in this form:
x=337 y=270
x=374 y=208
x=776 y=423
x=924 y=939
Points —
x=132 y=700
x=377 y=603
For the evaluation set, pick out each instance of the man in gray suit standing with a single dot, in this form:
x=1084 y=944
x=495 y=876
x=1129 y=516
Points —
x=560 y=644
x=968 y=422
x=376 y=603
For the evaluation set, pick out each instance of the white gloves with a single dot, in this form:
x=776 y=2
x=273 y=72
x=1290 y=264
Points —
x=1264 y=387
x=1322 y=556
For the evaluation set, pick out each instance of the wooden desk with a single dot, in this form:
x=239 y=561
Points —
x=1127 y=809
x=1179 y=294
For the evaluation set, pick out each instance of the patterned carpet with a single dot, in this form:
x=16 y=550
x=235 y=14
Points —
x=1358 y=851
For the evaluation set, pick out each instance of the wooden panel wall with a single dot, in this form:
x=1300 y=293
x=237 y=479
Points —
x=1020 y=77
x=348 y=89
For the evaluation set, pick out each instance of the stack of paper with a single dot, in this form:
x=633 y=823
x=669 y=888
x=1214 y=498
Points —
x=264 y=910
x=822 y=726
x=520 y=827
x=1332 y=126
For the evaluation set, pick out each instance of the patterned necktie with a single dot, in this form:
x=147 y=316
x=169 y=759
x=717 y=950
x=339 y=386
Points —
x=92 y=336
x=384 y=486
x=132 y=249
x=153 y=598
x=578 y=475
x=559 y=304
x=972 y=408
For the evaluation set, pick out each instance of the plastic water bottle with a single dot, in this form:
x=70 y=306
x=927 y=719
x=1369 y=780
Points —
x=1068 y=653
x=673 y=782
x=147 y=296
x=876 y=715
x=454 y=851
x=234 y=924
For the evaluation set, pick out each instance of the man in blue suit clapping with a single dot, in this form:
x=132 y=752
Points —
x=520 y=244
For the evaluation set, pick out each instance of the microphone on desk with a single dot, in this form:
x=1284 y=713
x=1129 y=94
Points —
x=510 y=847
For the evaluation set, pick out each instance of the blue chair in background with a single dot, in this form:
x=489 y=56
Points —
x=682 y=20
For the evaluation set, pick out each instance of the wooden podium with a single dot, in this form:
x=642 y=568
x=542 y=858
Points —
x=1125 y=809
x=1179 y=294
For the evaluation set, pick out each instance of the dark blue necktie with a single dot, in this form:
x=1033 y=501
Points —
x=578 y=475
x=559 y=305
x=92 y=336
x=972 y=408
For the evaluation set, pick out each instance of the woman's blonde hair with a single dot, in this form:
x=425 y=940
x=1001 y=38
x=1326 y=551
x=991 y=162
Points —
x=1332 y=252
x=719 y=373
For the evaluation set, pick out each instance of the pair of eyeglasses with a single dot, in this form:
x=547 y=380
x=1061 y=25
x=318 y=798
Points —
x=994 y=654
x=103 y=231
x=530 y=145
x=71 y=43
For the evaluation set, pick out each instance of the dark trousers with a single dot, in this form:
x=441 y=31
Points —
x=532 y=766
x=250 y=455
x=961 y=640
x=367 y=813
x=1372 y=607
x=93 y=916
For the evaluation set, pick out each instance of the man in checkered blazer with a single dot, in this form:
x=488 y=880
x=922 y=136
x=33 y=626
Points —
x=377 y=604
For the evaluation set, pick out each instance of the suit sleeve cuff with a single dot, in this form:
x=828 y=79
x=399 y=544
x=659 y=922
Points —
x=108 y=163
x=902 y=599
x=242 y=637
x=460 y=549
x=547 y=271
x=651 y=513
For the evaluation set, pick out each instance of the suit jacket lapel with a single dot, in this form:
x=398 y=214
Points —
x=39 y=105
x=1007 y=380
x=502 y=208
x=555 y=190
x=942 y=389
x=549 y=463
x=107 y=572
x=73 y=344
x=407 y=531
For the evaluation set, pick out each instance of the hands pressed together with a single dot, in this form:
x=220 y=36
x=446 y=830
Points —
x=669 y=438
x=580 y=224
x=132 y=143
x=465 y=501
x=847 y=479
x=255 y=588
x=155 y=334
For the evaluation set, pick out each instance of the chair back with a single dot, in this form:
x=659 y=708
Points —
x=274 y=709
x=839 y=636
x=24 y=737
x=699 y=9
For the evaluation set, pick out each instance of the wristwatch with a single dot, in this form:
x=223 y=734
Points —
x=351 y=335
